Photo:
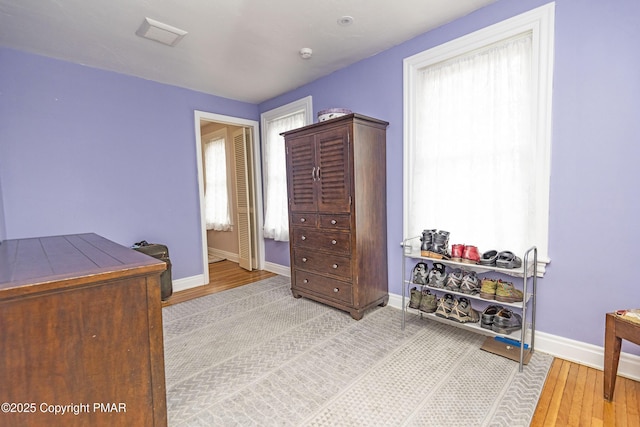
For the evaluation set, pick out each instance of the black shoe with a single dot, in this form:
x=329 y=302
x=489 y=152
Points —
x=488 y=314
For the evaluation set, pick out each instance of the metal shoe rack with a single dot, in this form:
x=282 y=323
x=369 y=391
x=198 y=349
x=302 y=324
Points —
x=527 y=272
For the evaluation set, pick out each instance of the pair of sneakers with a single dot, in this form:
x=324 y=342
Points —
x=459 y=310
x=500 y=291
x=421 y=275
x=466 y=282
x=500 y=319
x=423 y=300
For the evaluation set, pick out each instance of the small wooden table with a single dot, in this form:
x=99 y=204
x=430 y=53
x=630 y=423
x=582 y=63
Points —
x=617 y=328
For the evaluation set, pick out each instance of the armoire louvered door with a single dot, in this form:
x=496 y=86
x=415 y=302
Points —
x=301 y=180
x=332 y=159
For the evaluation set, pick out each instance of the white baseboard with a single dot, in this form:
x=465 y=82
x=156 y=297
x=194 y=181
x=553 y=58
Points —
x=224 y=254
x=278 y=269
x=395 y=301
x=188 y=283
x=586 y=354
x=571 y=350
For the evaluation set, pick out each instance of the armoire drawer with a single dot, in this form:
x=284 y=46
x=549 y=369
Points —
x=328 y=240
x=322 y=263
x=324 y=286
x=340 y=222
x=304 y=219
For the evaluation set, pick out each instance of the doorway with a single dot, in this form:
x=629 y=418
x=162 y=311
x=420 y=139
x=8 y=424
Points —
x=247 y=216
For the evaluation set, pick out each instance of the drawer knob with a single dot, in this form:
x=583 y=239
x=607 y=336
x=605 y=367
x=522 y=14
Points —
x=302 y=219
x=304 y=237
x=334 y=222
x=333 y=242
x=304 y=259
x=335 y=266
x=305 y=281
x=336 y=290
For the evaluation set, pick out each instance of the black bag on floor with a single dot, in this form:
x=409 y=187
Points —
x=160 y=252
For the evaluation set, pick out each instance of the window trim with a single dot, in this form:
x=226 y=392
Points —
x=540 y=22
x=301 y=105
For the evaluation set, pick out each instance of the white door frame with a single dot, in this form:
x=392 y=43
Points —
x=257 y=183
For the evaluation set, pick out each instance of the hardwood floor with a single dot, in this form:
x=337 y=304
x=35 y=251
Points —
x=223 y=275
x=572 y=394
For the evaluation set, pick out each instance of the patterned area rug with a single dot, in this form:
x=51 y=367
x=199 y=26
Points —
x=254 y=355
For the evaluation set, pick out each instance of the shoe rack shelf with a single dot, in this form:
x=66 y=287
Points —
x=474 y=327
x=520 y=272
x=527 y=273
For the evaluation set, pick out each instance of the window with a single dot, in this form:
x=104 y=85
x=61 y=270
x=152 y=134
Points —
x=477 y=136
x=274 y=122
x=216 y=193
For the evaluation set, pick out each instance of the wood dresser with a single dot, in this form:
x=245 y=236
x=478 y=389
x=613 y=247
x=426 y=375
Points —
x=80 y=332
x=336 y=178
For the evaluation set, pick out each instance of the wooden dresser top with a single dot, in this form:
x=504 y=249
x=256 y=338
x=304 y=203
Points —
x=43 y=264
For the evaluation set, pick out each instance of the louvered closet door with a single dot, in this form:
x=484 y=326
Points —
x=302 y=174
x=333 y=175
x=243 y=204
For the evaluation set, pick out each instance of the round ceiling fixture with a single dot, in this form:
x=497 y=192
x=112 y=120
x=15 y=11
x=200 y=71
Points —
x=306 y=53
x=345 y=21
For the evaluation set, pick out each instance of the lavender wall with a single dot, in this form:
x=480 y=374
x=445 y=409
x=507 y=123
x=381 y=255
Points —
x=594 y=184
x=85 y=150
x=3 y=230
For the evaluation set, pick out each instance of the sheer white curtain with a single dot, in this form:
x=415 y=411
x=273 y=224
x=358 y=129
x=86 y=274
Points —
x=472 y=162
x=276 y=222
x=216 y=196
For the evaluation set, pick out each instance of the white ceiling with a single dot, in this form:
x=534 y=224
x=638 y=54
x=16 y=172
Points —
x=246 y=50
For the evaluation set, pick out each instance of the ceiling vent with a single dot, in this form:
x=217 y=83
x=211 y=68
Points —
x=163 y=33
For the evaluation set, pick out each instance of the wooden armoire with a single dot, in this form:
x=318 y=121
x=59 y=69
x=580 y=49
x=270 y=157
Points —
x=336 y=177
